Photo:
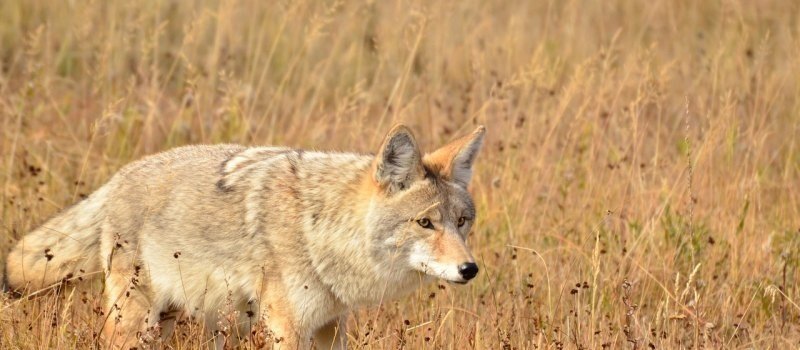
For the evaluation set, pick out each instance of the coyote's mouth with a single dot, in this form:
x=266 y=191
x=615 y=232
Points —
x=441 y=271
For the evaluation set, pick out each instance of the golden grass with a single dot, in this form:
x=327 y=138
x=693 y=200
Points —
x=639 y=187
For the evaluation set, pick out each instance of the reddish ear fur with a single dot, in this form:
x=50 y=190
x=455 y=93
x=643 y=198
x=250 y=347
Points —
x=454 y=161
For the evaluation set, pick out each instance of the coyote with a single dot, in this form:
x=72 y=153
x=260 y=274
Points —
x=290 y=239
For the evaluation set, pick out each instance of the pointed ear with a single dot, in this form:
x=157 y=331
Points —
x=398 y=162
x=454 y=160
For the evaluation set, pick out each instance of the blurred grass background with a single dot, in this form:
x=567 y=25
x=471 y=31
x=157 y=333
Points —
x=638 y=189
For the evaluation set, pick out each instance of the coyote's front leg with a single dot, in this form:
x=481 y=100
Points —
x=281 y=326
x=285 y=335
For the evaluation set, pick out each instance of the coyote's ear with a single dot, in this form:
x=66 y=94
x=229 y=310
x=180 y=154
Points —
x=454 y=160
x=398 y=162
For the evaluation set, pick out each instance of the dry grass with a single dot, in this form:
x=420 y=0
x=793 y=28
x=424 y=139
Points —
x=639 y=188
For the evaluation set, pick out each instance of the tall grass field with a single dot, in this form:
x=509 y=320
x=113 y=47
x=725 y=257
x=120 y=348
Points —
x=639 y=186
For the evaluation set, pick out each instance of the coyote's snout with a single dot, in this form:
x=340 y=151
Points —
x=295 y=238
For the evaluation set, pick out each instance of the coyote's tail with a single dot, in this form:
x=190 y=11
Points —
x=66 y=247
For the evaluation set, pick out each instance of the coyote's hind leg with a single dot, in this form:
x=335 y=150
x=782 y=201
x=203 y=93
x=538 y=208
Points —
x=127 y=311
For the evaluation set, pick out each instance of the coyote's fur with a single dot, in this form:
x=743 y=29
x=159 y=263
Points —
x=290 y=238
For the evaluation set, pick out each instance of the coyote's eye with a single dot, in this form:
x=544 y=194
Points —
x=425 y=222
x=461 y=221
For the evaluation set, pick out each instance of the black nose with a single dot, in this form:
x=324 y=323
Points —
x=468 y=270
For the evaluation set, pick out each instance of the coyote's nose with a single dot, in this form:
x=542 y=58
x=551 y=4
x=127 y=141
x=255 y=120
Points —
x=468 y=270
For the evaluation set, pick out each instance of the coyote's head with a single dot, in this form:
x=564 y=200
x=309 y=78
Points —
x=421 y=212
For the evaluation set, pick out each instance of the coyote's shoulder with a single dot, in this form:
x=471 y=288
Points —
x=295 y=238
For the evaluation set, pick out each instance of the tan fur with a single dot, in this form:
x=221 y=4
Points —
x=457 y=157
x=290 y=239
